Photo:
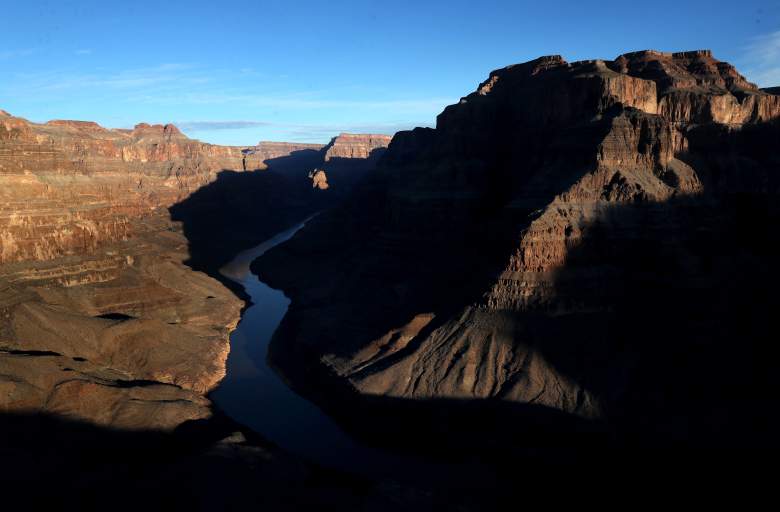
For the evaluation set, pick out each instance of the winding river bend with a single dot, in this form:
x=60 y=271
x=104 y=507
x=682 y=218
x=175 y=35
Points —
x=253 y=394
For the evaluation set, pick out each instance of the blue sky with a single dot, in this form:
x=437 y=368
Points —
x=236 y=72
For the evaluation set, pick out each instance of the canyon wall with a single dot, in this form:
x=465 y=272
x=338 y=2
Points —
x=69 y=186
x=561 y=241
x=345 y=145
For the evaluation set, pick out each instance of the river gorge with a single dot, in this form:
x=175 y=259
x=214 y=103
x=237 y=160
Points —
x=569 y=279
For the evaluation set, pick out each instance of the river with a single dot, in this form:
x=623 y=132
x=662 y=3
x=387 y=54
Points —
x=254 y=395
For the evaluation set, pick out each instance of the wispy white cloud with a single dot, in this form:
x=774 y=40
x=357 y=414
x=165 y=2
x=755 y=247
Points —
x=180 y=84
x=762 y=59
x=84 y=51
x=175 y=74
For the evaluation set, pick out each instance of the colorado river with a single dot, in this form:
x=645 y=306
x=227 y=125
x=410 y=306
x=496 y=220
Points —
x=254 y=395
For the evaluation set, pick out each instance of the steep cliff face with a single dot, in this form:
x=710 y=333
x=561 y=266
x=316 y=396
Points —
x=519 y=251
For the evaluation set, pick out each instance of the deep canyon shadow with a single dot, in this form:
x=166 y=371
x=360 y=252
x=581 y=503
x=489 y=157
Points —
x=71 y=465
x=239 y=210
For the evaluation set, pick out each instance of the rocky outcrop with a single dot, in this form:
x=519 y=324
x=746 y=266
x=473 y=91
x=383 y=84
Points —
x=516 y=252
x=319 y=179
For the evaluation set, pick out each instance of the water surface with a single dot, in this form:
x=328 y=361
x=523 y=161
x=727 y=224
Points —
x=254 y=395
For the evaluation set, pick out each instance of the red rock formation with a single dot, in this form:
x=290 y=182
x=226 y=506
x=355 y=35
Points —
x=70 y=185
x=319 y=179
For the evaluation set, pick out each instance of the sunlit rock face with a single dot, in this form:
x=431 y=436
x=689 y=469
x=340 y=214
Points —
x=521 y=250
x=362 y=146
x=319 y=179
x=344 y=146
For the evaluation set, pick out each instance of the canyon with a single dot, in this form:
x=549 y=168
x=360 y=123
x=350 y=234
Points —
x=574 y=270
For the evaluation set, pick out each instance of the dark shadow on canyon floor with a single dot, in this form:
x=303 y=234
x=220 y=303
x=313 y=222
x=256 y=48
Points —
x=241 y=209
x=57 y=462
x=72 y=465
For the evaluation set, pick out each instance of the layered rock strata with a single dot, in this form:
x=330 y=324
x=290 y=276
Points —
x=68 y=186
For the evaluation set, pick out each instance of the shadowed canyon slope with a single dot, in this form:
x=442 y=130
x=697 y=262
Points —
x=590 y=238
